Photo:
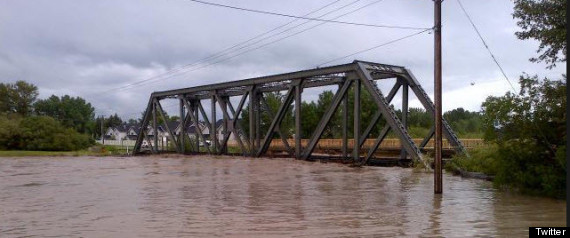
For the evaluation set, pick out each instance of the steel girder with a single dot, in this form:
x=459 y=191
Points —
x=251 y=90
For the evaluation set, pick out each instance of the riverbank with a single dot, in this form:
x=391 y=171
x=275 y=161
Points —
x=98 y=150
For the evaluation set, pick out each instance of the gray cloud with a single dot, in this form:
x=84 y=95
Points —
x=86 y=48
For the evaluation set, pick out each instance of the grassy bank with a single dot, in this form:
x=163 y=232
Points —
x=98 y=150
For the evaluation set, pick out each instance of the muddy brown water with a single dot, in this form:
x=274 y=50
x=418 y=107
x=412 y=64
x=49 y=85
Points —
x=236 y=197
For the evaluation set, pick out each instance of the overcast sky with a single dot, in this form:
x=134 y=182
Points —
x=93 y=48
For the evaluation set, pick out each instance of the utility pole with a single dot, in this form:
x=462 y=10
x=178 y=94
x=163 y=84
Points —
x=102 y=132
x=438 y=176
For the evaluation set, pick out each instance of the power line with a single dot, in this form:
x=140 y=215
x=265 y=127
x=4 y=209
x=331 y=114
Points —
x=502 y=71
x=485 y=44
x=229 y=49
x=306 y=18
x=375 y=47
x=269 y=43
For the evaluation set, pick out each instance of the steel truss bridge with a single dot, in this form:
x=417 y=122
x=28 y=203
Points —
x=359 y=75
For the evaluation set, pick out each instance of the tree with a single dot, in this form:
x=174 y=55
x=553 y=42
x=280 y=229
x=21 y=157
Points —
x=45 y=133
x=529 y=129
x=18 y=98
x=113 y=121
x=73 y=112
x=274 y=101
x=544 y=21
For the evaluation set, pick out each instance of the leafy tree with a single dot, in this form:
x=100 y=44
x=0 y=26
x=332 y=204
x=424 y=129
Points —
x=418 y=117
x=544 y=21
x=274 y=101
x=530 y=131
x=18 y=97
x=463 y=121
x=73 y=112
x=9 y=132
x=113 y=121
x=39 y=133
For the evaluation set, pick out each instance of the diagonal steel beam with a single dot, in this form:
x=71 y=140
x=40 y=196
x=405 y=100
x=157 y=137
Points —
x=276 y=121
x=278 y=128
x=427 y=138
x=391 y=117
x=226 y=138
x=206 y=120
x=194 y=116
x=165 y=123
x=325 y=119
x=377 y=143
x=236 y=125
x=378 y=114
x=142 y=133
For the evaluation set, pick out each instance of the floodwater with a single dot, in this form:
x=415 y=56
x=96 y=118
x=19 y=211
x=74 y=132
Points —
x=238 y=197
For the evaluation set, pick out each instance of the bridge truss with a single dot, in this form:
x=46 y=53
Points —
x=358 y=75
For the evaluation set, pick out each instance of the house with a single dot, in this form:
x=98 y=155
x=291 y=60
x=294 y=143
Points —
x=130 y=132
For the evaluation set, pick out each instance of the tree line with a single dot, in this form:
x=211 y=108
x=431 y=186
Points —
x=57 y=123
x=465 y=123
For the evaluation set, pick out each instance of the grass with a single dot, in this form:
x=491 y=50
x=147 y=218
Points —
x=482 y=160
x=97 y=150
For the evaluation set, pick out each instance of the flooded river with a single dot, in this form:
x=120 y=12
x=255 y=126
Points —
x=238 y=197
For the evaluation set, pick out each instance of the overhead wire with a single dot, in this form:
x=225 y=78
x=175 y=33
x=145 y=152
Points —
x=224 y=52
x=485 y=44
x=228 y=49
x=502 y=71
x=269 y=43
x=306 y=18
x=375 y=47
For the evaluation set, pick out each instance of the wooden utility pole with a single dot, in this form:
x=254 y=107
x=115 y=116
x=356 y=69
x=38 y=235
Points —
x=102 y=131
x=438 y=173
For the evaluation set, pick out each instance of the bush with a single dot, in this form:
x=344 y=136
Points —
x=9 y=132
x=39 y=133
x=483 y=160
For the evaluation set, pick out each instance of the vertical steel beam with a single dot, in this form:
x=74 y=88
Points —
x=197 y=127
x=405 y=98
x=154 y=125
x=438 y=173
x=182 y=126
x=196 y=107
x=224 y=106
x=344 y=125
x=326 y=119
x=252 y=97
x=258 y=120
x=213 y=132
x=298 y=90
x=356 y=150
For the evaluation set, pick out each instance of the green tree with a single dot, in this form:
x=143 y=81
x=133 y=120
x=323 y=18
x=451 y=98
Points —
x=18 y=97
x=73 y=112
x=274 y=101
x=529 y=129
x=9 y=132
x=45 y=133
x=544 y=21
